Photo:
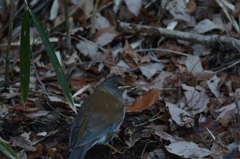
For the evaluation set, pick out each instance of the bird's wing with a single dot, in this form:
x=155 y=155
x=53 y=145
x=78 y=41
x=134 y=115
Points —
x=75 y=128
x=105 y=118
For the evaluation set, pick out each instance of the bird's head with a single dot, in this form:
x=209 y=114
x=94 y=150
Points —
x=115 y=85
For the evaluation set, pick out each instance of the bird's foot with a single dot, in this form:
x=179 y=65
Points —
x=114 y=149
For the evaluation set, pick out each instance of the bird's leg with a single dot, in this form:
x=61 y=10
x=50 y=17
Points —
x=114 y=149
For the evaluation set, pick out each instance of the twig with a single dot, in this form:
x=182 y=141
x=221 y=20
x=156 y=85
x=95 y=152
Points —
x=103 y=7
x=156 y=49
x=162 y=11
x=223 y=4
x=93 y=18
x=15 y=14
x=101 y=48
x=211 y=133
x=10 y=29
x=56 y=110
x=67 y=26
x=144 y=30
x=144 y=150
x=75 y=9
x=151 y=119
x=227 y=67
x=43 y=87
x=85 y=63
x=237 y=101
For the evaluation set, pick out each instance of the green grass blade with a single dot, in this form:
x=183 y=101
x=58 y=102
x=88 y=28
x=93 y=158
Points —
x=7 y=150
x=25 y=56
x=57 y=67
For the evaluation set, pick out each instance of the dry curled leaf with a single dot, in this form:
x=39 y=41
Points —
x=131 y=56
x=144 y=101
x=109 y=58
x=106 y=35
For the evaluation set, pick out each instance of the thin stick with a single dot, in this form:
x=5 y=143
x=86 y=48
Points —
x=10 y=29
x=156 y=49
x=69 y=45
x=193 y=37
x=229 y=66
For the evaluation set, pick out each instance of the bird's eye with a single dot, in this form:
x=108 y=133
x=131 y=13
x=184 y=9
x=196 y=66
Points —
x=114 y=83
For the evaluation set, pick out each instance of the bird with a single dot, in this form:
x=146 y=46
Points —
x=99 y=117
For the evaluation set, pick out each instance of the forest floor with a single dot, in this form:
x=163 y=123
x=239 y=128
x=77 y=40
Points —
x=182 y=56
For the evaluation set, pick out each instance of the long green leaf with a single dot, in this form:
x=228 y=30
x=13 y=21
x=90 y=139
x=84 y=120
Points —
x=7 y=150
x=57 y=67
x=25 y=56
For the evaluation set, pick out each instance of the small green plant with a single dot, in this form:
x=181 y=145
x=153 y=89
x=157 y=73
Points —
x=25 y=58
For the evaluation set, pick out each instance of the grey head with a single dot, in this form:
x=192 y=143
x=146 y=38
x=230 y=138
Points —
x=115 y=86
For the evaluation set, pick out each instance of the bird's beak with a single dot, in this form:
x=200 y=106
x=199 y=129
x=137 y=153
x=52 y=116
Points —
x=125 y=86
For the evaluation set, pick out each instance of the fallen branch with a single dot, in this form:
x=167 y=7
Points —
x=211 y=40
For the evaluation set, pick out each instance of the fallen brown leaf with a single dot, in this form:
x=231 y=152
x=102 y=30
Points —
x=106 y=35
x=131 y=56
x=108 y=58
x=144 y=101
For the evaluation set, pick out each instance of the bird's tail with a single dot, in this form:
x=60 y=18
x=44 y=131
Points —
x=79 y=153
